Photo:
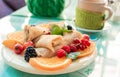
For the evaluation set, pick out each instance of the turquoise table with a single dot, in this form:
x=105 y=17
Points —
x=106 y=64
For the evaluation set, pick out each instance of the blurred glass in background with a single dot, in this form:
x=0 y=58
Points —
x=115 y=5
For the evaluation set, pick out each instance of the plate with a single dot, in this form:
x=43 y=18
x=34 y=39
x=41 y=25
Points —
x=106 y=27
x=18 y=62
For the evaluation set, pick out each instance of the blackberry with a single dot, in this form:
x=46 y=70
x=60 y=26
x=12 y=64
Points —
x=29 y=53
x=32 y=25
x=69 y=27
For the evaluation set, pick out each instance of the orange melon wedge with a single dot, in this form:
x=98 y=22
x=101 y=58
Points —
x=13 y=38
x=9 y=43
x=19 y=36
x=88 y=51
x=50 y=64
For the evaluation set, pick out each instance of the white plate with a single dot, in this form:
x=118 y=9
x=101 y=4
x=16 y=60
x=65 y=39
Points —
x=18 y=62
x=106 y=27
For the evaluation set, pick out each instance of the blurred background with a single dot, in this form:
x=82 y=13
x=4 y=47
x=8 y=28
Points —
x=8 y=6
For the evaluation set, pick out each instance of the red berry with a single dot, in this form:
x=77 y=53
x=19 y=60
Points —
x=60 y=53
x=18 y=48
x=27 y=44
x=48 y=33
x=85 y=42
x=73 y=48
x=78 y=46
x=66 y=48
x=82 y=47
x=88 y=43
x=85 y=36
x=76 y=41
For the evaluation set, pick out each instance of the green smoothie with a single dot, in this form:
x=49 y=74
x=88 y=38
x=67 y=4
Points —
x=88 y=19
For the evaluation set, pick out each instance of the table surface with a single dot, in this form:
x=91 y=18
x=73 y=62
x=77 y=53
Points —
x=106 y=64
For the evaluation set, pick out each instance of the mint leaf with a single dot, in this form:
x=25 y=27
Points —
x=56 y=30
x=65 y=30
x=73 y=55
x=59 y=30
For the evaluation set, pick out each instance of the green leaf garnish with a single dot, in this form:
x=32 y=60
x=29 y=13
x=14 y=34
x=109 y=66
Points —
x=56 y=30
x=59 y=30
x=73 y=55
x=65 y=30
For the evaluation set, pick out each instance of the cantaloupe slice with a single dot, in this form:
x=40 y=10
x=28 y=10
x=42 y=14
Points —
x=50 y=64
x=19 y=36
x=9 y=43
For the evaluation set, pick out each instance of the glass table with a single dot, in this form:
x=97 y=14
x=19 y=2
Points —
x=106 y=64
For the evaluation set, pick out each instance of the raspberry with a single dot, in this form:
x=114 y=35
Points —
x=73 y=48
x=76 y=40
x=85 y=36
x=60 y=53
x=66 y=48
